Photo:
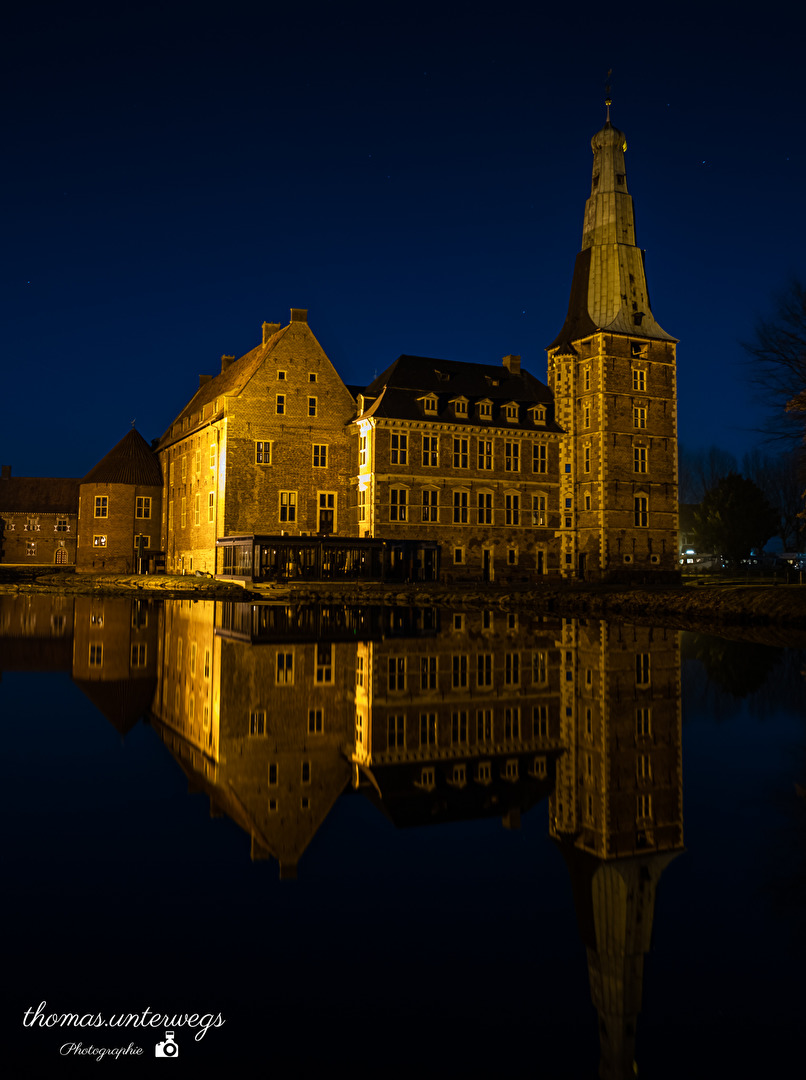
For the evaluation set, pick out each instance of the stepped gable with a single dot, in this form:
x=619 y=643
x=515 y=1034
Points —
x=396 y=393
x=131 y=461
x=39 y=494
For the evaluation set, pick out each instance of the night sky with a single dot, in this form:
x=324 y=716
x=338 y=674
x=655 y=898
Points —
x=413 y=174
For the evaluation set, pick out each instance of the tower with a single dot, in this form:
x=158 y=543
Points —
x=612 y=371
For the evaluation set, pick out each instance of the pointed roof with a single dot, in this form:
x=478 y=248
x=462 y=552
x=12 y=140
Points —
x=609 y=290
x=131 y=461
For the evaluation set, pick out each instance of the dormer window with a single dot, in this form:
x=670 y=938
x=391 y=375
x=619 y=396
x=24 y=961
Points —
x=460 y=406
x=430 y=404
x=511 y=413
x=538 y=414
x=485 y=410
x=443 y=376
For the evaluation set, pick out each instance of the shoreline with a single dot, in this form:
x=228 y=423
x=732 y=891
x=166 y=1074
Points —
x=728 y=606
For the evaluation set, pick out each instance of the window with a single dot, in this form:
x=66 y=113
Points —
x=643 y=722
x=587 y=502
x=359 y=671
x=324 y=663
x=642 y=669
x=643 y=807
x=540 y=721
x=184 y=468
x=512 y=457
x=485 y=508
x=641 y=510
x=430 y=404
x=586 y=416
x=460 y=406
x=198 y=462
x=458 y=556
x=512 y=668
x=458 y=621
x=459 y=728
x=538 y=509
x=484 y=772
x=96 y=655
x=101 y=506
x=197 y=509
x=399 y=449
x=397 y=673
x=484 y=725
x=288 y=506
x=171 y=473
x=512 y=509
x=305 y=772
x=512 y=723
x=183 y=512
x=638 y=379
x=485 y=410
x=212 y=455
x=398 y=504
x=320 y=455
x=280 y=406
x=142 y=507
x=395 y=732
x=485 y=453
x=430 y=507
x=193 y=650
x=316 y=722
x=540 y=662
x=639 y=459
x=459 y=673
x=207 y=663
x=211 y=506
x=428 y=729
x=539 y=414
x=511 y=412
x=262 y=453
x=512 y=556
x=428 y=672
x=460 y=500
x=273 y=774
x=484 y=670
x=257 y=724
x=30 y=547
x=587 y=459
x=312 y=376
x=539 y=463
x=427 y=779
x=643 y=767
x=362 y=504
x=586 y=377
x=362 y=450
x=430 y=450
x=460 y=453
x=285 y=668
x=97 y=541
x=281 y=376
x=459 y=776
x=311 y=406
x=639 y=417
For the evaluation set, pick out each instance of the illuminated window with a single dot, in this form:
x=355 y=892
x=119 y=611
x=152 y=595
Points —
x=639 y=459
x=288 y=506
x=320 y=455
x=398 y=504
x=257 y=723
x=485 y=508
x=280 y=406
x=459 y=731
x=324 y=663
x=316 y=722
x=538 y=509
x=311 y=406
x=262 y=452
x=641 y=511
x=461 y=453
x=512 y=457
x=399 y=448
x=539 y=459
x=285 y=668
x=430 y=450
x=460 y=508
x=101 y=506
x=97 y=541
x=210 y=506
x=396 y=732
x=430 y=509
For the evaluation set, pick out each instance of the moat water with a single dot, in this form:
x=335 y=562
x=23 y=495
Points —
x=421 y=841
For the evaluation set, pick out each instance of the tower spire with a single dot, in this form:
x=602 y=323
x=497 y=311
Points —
x=608 y=100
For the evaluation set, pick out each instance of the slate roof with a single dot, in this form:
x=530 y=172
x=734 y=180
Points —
x=131 y=461
x=398 y=390
x=39 y=494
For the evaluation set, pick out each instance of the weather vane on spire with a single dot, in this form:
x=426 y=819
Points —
x=134 y=421
x=607 y=94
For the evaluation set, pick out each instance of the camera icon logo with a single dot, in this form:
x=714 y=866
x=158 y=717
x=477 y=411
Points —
x=167 y=1049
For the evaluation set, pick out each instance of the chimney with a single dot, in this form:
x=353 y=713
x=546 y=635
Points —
x=204 y=379
x=299 y=314
x=513 y=364
x=6 y=472
x=269 y=328
x=225 y=362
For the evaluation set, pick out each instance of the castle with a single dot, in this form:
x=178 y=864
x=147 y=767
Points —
x=438 y=467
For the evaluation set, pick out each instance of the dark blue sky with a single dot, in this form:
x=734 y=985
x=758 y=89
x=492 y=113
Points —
x=413 y=174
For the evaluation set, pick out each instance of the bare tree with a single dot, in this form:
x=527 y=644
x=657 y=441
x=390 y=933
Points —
x=699 y=471
x=780 y=479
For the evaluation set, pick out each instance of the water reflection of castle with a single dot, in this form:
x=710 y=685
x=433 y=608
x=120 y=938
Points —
x=433 y=715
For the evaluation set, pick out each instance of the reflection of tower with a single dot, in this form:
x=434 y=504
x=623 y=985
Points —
x=627 y=791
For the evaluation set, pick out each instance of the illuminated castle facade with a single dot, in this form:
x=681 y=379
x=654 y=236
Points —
x=473 y=471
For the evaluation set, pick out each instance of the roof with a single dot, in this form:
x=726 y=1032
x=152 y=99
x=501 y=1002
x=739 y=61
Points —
x=39 y=494
x=131 y=461
x=397 y=392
